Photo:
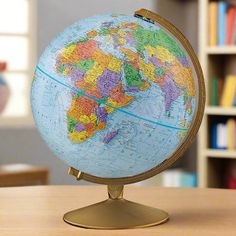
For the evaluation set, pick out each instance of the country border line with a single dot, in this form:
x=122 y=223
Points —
x=101 y=102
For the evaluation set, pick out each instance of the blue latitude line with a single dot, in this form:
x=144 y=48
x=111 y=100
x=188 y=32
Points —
x=78 y=91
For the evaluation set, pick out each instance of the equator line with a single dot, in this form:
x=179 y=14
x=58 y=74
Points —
x=101 y=102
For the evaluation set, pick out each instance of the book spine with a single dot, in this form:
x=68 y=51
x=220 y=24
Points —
x=219 y=136
x=220 y=90
x=230 y=128
x=178 y=178
x=234 y=29
x=230 y=25
x=228 y=94
x=221 y=22
x=222 y=136
x=167 y=179
x=213 y=19
x=225 y=137
x=188 y=180
x=214 y=92
x=214 y=136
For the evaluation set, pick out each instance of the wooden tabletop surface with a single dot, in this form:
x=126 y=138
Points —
x=33 y=211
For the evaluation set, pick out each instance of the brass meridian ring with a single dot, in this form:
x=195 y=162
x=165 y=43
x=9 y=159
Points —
x=195 y=123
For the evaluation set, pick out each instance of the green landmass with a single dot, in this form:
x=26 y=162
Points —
x=159 y=72
x=85 y=65
x=132 y=76
x=144 y=37
x=71 y=123
x=104 y=31
x=83 y=40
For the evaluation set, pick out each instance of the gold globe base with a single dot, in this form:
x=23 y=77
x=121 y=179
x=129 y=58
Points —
x=116 y=213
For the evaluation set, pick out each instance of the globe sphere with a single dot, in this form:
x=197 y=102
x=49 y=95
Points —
x=115 y=96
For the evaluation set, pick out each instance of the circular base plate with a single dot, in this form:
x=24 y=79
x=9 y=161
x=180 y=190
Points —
x=116 y=214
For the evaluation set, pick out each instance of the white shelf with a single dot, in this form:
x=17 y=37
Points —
x=215 y=153
x=221 y=50
x=221 y=111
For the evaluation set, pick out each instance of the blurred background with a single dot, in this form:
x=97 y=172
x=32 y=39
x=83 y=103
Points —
x=27 y=27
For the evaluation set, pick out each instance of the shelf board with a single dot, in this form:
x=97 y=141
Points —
x=221 y=50
x=220 y=111
x=215 y=153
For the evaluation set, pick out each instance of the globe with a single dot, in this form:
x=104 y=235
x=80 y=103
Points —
x=116 y=96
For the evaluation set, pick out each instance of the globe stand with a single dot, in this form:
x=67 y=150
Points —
x=115 y=212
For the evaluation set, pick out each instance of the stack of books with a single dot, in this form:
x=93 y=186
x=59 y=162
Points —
x=172 y=178
x=223 y=135
x=222 y=23
x=223 y=91
x=179 y=178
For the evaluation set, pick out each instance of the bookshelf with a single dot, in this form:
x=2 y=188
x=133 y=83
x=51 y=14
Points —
x=214 y=60
x=227 y=154
x=214 y=110
x=214 y=50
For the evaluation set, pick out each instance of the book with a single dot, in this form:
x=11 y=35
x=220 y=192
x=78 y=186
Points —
x=219 y=143
x=225 y=137
x=230 y=25
x=217 y=85
x=220 y=89
x=214 y=91
x=231 y=133
x=228 y=94
x=168 y=178
x=222 y=8
x=188 y=180
x=214 y=136
x=212 y=23
x=222 y=136
x=234 y=30
x=178 y=178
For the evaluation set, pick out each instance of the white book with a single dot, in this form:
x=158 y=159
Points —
x=167 y=179
x=177 y=178
x=222 y=136
x=171 y=178
x=219 y=135
x=225 y=136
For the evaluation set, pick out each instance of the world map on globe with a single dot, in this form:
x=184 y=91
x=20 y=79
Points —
x=114 y=95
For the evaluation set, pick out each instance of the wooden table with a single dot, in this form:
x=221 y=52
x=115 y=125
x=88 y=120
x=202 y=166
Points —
x=38 y=210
